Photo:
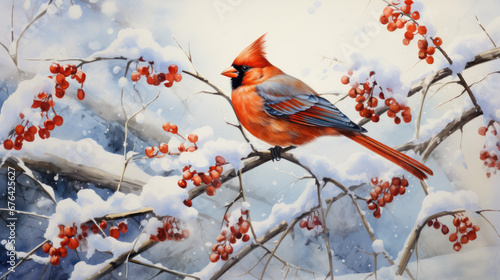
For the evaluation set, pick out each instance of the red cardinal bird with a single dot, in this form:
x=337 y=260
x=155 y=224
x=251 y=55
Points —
x=282 y=110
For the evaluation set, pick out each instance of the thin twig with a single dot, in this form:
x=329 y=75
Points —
x=126 y=136
x=487 y=34
x=325 y=230
x=163 y=269
x=25 y=213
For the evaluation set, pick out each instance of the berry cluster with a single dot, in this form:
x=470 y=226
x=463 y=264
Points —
x=238 y=230
x=365 y=93
x=210 y=178
x=70 y=237
x=171 y=230
x=156 y=78
x=164 y=149
x=384 y=192
x=45 y=102
x=463 y=226
x=312 y=222
x=489 y=155
x=398 y=15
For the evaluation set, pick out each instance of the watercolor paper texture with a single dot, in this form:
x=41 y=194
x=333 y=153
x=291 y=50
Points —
x=125 y=154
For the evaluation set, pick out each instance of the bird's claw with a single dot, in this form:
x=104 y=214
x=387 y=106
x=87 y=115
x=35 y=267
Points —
x=275 y=153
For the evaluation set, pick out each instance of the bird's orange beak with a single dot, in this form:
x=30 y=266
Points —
x=230 y=72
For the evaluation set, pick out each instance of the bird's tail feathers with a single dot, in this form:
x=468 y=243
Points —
x=407 y=163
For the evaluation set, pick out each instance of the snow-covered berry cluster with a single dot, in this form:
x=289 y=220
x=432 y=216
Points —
x=235 y=230
x=384 y=192
x=154 y=77
x=172 y=229
x=401 y=14
x=491 y=150
x=27 y=131
x=367 y=94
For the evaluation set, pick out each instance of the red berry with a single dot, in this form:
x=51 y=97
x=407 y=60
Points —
x=173 y=129
x=431 y=50
x=94 y=228
x=400 y=23
x=437 y=41
x=150 y=152
x=54 y=68
x=210 y=191
x=411 y=27
x=388 y=11
x=173 y=69
x=245 y=226
x=214 y=257
x=193 y=138
x=482 y=130
x=406 y=9
x=46 y=247
x=63 y=252
x=453 y=237
x=143 y=70
x=49 y=124
x=457 y=246
x=177 y=77
x=73 y=243
x=123 y=227
x=464 y=239
x=415 y=15
x=103 y=225
x=163 y=148
x=220 y=160
x=344 y=80
x=245 y=238
x=391 y=26
x=60 y=78
x=188 y=202
x=135 y=76
x=422 y=30
x=55 y=260
x=437 y=224
x=8 y=144
x=383 y=19
x=114 y=232
x=80 y=94
x=423 y=44
x=65 y=70
x=472 y=235
x=430 y=60
x=80 y=77
x=475 y=228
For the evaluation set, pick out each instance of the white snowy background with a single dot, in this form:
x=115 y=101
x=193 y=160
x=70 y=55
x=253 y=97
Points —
x=302 y=39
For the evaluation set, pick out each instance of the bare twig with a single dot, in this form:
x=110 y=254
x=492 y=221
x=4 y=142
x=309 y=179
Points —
x=487 y=34
x=163 y=269
x=25 y=213
x=131 y=250
x=325 y=230
x=126 y=137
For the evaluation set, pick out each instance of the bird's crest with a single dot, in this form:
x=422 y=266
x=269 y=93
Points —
x=253 y=55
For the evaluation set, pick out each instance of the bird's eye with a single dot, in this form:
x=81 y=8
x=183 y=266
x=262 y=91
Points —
x=245 y=68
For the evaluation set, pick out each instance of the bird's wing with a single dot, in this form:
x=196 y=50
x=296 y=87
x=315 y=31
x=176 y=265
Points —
x=289 y=98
